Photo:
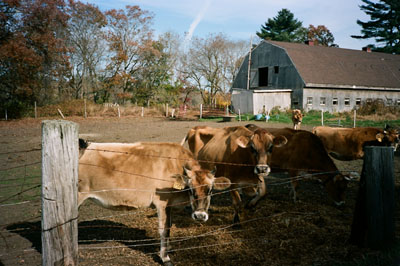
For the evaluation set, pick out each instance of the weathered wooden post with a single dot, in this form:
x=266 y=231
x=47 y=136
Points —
x=354 y=122
x=322 y=117
x=142 y=111
x=35 y=110
x=240 y=118
x=201 y=111
x=59 y=192
x=373 y=223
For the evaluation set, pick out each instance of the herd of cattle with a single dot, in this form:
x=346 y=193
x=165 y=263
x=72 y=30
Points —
x=166 y=175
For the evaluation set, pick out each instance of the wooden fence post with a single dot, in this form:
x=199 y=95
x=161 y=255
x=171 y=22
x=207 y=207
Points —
x=35 y=110
x=59 y=193
x=201 y=111
x=322 y=117
x=85 y=112
x=373 y=223
x=355 y=116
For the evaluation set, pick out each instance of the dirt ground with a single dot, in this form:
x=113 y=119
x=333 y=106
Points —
x=276 y=232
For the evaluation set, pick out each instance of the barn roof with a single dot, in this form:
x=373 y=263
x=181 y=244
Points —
x=324 y=66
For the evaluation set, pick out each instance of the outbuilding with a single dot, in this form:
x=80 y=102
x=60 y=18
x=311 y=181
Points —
x=313 y=77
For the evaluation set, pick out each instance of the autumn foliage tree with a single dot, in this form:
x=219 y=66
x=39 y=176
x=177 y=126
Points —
x=320 y=35
x=129 y=40
x=32 y=53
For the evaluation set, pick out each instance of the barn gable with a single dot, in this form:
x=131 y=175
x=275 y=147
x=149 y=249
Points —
x=315 y=77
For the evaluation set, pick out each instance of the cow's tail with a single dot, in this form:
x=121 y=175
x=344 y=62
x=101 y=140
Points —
x=184 y=139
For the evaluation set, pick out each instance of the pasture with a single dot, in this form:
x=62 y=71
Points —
x=276 y=232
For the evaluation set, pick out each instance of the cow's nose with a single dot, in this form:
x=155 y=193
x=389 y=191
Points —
x=262 y=169
x=200 y=216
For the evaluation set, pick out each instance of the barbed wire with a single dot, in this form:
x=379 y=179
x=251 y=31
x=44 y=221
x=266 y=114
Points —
x=19 y=193
x=20 y=166
x=209 y=233
x=23 y=151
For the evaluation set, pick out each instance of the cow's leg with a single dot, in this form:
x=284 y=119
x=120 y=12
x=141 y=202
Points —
x=261 y=191
x=237 y=206
x=164 y=226
x=82 y=197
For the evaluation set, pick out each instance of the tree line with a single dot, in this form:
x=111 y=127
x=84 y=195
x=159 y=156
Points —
x=58 y=50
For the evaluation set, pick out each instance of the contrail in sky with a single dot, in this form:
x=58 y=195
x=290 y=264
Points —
x=196 y=22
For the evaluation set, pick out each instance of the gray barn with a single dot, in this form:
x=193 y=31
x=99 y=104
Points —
x=308 y=77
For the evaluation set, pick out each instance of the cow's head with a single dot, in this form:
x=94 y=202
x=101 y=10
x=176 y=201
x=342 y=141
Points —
x=297 y=116
x=336 y=187
x=200 y=183
x=260 y=142
x=389 y=137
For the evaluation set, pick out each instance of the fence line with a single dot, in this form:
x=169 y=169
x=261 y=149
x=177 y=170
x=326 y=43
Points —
x=23 y=151
x=20 y=166
x=201 y=161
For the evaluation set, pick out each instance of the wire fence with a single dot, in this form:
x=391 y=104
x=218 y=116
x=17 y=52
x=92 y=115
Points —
x=21 y=185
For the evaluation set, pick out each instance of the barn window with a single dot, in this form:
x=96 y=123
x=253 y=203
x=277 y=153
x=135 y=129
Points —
x=347 y=101
x=398 y=102
x=276 y=69
x=334 y=101
x=358 y=101
x=295 y=101
x=309 y=100
x=263 y=76
x=322 y=100
x=369 y=101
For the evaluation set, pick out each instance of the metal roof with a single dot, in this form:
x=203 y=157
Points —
x=321 y=66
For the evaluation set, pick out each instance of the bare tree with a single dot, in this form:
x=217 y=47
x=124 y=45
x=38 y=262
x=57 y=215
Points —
x=86 y=26
x=212 y=63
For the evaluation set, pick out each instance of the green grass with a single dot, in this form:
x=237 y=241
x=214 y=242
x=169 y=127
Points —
x=20 y=184
x=313 y=118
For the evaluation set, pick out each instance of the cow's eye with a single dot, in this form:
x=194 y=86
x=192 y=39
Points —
x=270 y=148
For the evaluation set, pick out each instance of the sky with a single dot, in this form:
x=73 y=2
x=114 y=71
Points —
x=240 y=20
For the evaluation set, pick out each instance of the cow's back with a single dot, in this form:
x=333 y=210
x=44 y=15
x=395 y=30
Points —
x=130 y=175
x=303 y=150
x=232 y=161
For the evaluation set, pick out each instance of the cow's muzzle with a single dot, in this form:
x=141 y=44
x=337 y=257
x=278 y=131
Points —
x=262 y=169
x=201 y=216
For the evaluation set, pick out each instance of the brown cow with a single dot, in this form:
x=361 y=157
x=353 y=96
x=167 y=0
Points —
x=348 y=143
x=239 y=154
x=125 y=176
x=305 y=153
x=297 y=118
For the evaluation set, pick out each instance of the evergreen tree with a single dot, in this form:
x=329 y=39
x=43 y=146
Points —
x=384 y=25
x=283 y=27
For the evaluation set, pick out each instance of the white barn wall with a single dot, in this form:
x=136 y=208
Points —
x=341 y=94
x=270 y=99
x=242 y=100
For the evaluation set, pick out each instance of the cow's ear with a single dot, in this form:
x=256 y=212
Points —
x=221 y=183
x=380 y=137
x=243 y=141
x=280 y=141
